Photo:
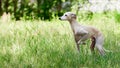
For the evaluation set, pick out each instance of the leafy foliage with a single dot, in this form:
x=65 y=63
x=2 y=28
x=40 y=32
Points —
x=43 y=9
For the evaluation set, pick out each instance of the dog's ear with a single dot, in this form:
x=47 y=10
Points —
x=73 y=16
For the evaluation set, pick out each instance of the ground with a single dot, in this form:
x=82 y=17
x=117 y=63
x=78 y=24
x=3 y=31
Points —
x=48 y=44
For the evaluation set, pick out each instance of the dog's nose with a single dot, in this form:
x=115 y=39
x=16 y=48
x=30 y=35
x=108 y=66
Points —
x=59 y=18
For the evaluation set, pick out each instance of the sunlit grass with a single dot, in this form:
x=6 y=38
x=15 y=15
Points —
x=48 y=44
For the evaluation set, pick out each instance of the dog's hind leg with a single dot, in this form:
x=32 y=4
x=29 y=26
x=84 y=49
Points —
x=92 y=46
x=99 y=44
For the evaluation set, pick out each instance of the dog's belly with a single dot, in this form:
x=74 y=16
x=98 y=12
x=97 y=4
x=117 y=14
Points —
x=82 y=37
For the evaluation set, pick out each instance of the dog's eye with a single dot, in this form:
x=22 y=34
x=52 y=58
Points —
x=65 y=15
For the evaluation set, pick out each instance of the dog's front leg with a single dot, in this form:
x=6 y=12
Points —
x=76 y=40
x=78 y=47
x=80 y=37
x=83 y=38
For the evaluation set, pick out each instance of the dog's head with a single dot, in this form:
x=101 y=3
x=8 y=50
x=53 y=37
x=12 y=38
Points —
x=68 y=16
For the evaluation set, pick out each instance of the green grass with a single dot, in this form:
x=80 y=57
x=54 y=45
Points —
x=50 y=44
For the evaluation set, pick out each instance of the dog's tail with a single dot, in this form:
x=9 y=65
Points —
x=99 y=44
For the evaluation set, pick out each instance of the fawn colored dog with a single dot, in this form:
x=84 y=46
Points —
x=82 y=33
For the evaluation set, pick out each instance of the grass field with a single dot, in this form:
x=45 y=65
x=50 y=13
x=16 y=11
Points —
x=50 y=44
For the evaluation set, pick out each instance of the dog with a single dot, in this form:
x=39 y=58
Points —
x=82 y=33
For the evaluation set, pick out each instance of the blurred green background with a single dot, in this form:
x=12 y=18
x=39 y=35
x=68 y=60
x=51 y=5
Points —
x=31 y=36
x=48 y=9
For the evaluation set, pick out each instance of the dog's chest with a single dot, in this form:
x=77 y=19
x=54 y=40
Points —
x=79 y=31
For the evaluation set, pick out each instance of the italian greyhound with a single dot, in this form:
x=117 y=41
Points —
x=82 y=33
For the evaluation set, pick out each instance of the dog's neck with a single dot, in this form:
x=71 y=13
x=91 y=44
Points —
x=73 y=24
